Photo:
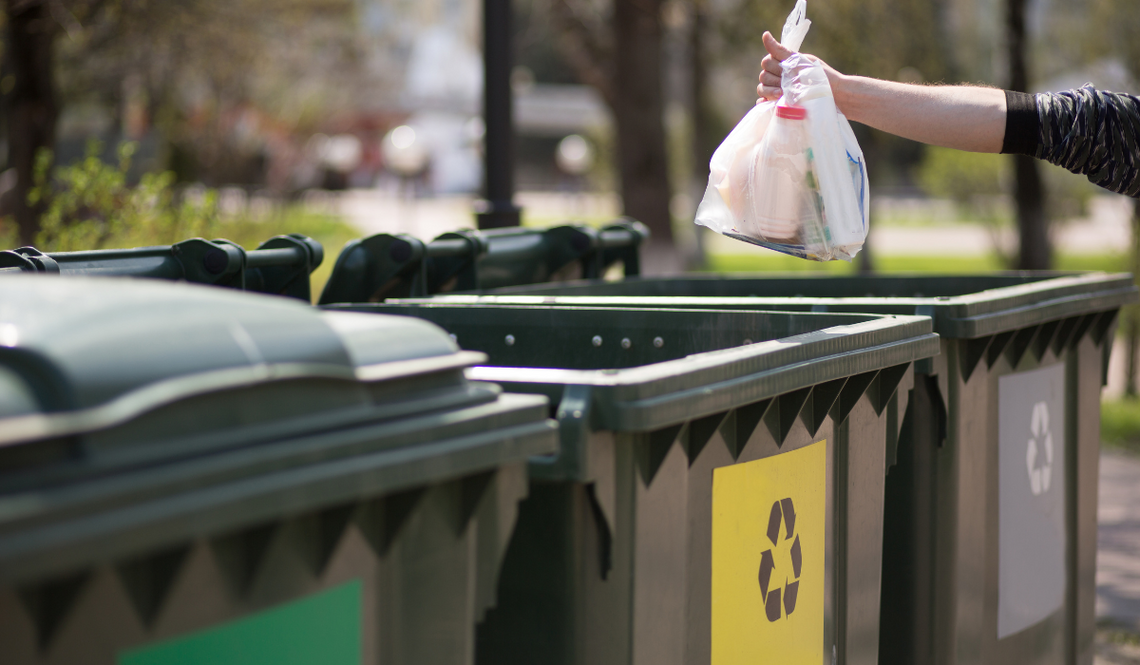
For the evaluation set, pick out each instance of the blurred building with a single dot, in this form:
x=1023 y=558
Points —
x=437 y=46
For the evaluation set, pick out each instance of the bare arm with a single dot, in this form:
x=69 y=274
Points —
x=962 y=117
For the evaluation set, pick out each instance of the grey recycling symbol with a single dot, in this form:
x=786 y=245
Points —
x=781 y=601
x=1039 y=452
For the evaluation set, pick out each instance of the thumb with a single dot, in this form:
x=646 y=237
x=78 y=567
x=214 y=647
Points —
x=775 y=48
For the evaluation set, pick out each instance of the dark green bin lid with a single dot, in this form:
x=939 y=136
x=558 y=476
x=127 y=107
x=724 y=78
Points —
x=136 y=413
x=962 y=306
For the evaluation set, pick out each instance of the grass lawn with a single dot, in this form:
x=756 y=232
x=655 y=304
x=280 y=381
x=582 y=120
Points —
x=773 y=262
x=1120 y=424
x=329 y=230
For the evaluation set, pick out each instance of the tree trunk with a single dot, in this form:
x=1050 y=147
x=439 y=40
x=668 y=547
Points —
x=1131 y=314
x=872 y=151
x=637 y=104
x=30 y=105
x=1029 y=192
x=704 y=142
x=704 y=139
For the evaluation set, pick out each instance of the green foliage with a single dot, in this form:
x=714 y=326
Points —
x=1108 y=31
x=973 y=180
x=1120 y=423
x=961 y=176
x=9 y=233
x=867 y=37
x=91 y=205
x=1068 y=193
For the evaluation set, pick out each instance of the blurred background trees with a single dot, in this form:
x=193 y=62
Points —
x=281 y=97
x=1111 y=34
x=174 y=75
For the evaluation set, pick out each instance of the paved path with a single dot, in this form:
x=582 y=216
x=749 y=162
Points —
x=1118 y=558
x=1118 y=540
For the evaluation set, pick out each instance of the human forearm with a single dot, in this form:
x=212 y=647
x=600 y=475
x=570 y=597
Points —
x=962 y=117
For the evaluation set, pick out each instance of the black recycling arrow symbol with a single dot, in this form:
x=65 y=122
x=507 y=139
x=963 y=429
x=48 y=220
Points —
x=772 y=607
x=789 y=517
x=790 y=591
x=767 y=564
x=779 y=602
x=774 y=523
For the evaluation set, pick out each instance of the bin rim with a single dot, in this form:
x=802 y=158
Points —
x=986 y=312
x=47 y=533
x=673 y=391
x=778 y=353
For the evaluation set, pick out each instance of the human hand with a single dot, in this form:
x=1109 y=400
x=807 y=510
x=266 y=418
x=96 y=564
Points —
x=771 y=69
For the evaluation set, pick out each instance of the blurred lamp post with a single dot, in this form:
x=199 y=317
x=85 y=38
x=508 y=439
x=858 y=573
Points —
x=498 y=209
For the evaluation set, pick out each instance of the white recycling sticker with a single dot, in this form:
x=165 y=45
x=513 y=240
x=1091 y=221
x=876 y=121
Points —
x=1031 y=497
x=1039 y=452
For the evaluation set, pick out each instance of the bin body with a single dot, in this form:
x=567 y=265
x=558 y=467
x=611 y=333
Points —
x=614 y=558
x=990 y=521
x=197 y=475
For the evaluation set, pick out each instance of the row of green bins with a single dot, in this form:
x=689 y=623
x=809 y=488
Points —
x=197 y=475
x=991 y=508
x=401 y=266
x=279 y=266
x=719 y=489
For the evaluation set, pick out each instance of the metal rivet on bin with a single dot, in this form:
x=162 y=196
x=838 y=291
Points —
x=625 y=343
x=577 y=413
x=747 y=341
x=658 y=342
x=597 y=340
x=510 y=340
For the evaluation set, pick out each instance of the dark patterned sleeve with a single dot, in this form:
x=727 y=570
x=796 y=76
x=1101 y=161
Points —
x=1087 y=131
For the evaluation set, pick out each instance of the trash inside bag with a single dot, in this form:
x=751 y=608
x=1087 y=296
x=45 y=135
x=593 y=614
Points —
x=791 y=176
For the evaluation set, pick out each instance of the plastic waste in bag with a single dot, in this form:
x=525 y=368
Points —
x=791 y=176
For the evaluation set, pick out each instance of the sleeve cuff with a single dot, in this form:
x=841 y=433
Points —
x=1022 y=126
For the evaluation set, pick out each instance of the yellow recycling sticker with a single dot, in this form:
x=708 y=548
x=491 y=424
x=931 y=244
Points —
x=767 y=559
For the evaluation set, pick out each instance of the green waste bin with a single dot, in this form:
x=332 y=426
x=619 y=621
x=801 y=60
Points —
x=719 y=486
x=991 y=510
x=198 y=475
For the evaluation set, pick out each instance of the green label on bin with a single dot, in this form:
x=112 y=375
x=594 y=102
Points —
x=322 y=629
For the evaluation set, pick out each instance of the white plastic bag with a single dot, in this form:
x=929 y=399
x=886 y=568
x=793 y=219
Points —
x=791 y=176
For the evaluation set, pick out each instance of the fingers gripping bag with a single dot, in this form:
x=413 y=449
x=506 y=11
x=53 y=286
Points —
x=791 y=176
